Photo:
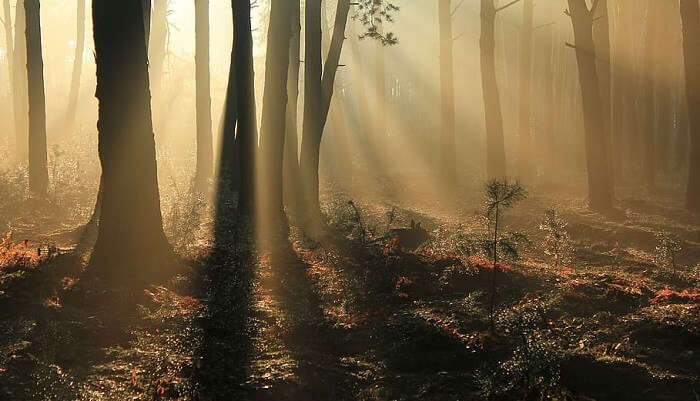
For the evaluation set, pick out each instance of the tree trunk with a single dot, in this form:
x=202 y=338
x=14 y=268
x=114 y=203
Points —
x=599 y=183
x=648 y=83
x=495 y=144
x=690 y=15
x=274 y=107
x=313 y=105
x=291 y=140
x=20 y=86
x=601 y=39
x=321 y=85
x=10 y=57
x=525 y=157
x=38 y=170
x=77 y=66
x=157 y=46
x=548 y=72
x=246 y=131
x=205 y=158
x=131 y=245
x=447 y=138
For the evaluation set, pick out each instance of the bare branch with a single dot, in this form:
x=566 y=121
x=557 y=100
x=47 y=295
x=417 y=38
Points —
x=501 y=8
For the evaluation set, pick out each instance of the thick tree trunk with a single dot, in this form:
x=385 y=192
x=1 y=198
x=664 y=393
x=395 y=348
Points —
x=447 y=91
x=525 y=157
x=321 y=85
x=601 y=39
x=246 y=131
x=38 y=169
x=77 y=66
x=313 y=105
x=274 y=107
x=131 y=245
x=205 y=158
x=495 y=144
x=20 y=89
x=597 y=160
x=690 y=15
x=291 y=139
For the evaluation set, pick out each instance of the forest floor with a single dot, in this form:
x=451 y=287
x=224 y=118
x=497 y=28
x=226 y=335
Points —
x=352 y=317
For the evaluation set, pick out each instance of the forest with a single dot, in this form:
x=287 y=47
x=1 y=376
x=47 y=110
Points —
x=365 y=200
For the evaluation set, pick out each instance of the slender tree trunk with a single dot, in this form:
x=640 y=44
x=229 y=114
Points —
x=131 y=245
x=549 y=79
x=525 y=156
x=495 y=144
x=20 y=89
x=205 y=158
x=158 y=44
x=9 y=46
x=648 y=84
x=38 y=169
x=690 y=15
x=274 y=106
x=621 y=90
x=77 y=66
x=291 y=142
x=447 y=90
x=246 y=131
x=597 y=160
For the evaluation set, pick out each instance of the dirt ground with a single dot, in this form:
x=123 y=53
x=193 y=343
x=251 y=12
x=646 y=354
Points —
x=354 y=316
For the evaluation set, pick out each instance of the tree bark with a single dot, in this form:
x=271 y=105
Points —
x=20 y=86
x=246 y=127
x=38 y=169
x=597 y=160
x=648 y=84
x=77 y=66
x=601 y=39
x=131 y=245
x=319 y=85
x=274 y=107
x=9 y=46
x=690 y=16
x=495 y=144
x=205 y=158
x=525 y=157
x=291 y=141
x=447 y=137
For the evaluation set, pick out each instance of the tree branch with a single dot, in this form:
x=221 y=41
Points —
x=501 y=8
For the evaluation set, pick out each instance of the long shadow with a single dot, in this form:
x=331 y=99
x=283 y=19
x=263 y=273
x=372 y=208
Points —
x=313 y=344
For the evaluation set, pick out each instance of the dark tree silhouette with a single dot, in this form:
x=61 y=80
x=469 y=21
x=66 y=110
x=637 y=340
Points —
x=38 y=170
x=597 y=144
x=690 y=15
x=319 y=87
x=130 y=243
x=274 y=107
x=239 y=144
x=205 y=158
